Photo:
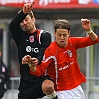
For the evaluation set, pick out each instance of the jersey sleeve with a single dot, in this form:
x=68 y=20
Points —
x=45 y=42
x=82 y=42
x=15 y=27
x=41 y=68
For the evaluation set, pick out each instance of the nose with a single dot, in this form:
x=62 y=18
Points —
x=24 y=22
x=62 y=36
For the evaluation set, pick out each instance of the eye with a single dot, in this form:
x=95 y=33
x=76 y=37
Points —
x=59 y=34
x=26 y=19
x=64 y=35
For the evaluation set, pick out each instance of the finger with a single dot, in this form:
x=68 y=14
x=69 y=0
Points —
x=27 y=6
x=28 y=56
x=84 y=19
x=33 y=2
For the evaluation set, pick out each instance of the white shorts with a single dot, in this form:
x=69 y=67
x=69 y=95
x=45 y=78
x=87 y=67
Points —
x=76 y=93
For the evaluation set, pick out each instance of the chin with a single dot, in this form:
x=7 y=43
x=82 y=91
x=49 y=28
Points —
x=62 y=46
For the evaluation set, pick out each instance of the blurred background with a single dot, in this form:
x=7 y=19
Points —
x=45 y=12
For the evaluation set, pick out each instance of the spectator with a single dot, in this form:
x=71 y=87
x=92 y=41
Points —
x=4 y=77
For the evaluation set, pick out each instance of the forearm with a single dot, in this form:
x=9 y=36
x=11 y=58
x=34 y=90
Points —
x=17 y=20
x=37 y=70
x=33 y=68
x=92 y=35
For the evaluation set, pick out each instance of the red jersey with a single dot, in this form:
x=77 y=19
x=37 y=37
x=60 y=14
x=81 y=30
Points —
x=61 y=63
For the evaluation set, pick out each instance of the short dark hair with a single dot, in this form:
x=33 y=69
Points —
x=30 y=13
x=62 y=24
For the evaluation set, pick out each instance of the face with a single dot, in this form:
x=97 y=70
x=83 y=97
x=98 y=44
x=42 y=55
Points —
x=61 y=36
x=28 y=24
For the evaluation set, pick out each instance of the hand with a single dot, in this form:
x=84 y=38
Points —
x=86 y=24
x=27 y=7
x=26 y=59
x=34 y=62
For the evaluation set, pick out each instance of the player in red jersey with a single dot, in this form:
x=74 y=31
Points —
x=60 y=60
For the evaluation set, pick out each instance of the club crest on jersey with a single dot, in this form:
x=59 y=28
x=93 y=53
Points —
x=31 y=38
x=69 y=53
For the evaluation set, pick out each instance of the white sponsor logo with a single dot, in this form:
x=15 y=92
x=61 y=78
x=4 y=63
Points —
x=15 y=1
x=46 y=2
x=65 y=67
x=84 y=1
x=30 y=49
x=41 y=2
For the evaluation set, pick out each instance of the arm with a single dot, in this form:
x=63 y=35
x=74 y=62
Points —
x=40 y=69
x=87 y=27
x=20 y=16
x=14 y=26
x=32 y=62
x=82 y=42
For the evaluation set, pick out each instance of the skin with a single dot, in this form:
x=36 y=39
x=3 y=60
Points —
x=61 y=36
x=87 y=26
x=28 y=24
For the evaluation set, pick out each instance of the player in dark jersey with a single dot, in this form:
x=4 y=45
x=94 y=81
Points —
x=33 y=42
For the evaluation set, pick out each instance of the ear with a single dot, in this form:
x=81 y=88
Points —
x=68 y=33
x=54 y=33
x=33 y=19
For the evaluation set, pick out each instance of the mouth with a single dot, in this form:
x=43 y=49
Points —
x=62 y=41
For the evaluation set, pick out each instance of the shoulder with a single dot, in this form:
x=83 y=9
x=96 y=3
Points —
x=73 y=39
x=42 y=33
x=52 y=48
x=46 y=33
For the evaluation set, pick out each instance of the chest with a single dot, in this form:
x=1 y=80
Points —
x=66 y=55
x=29 y=44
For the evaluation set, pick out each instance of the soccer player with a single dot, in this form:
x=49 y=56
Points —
x=60 y=59
x=31 y=41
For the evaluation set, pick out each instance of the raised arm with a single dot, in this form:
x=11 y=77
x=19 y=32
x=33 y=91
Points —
x=86 y=25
